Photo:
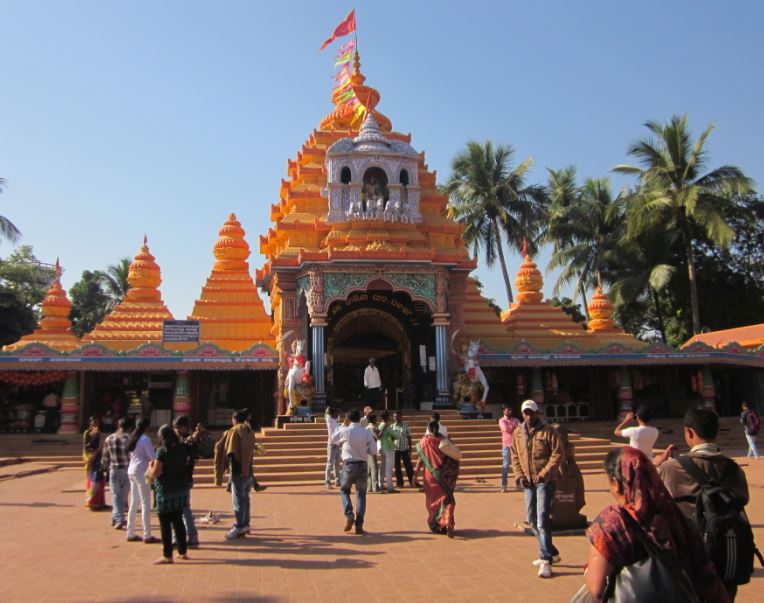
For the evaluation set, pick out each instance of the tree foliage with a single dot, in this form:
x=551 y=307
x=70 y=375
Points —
x=8 y=230
x=570 y=308
x=676 y=196
x=89 y=302
x=494 y=203
x=23 y=283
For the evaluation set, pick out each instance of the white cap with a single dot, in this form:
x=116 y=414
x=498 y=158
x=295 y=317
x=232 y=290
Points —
x=529 y=405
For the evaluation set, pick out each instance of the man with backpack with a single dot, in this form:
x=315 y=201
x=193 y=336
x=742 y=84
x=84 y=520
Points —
x=750 y=419
x=711 y=490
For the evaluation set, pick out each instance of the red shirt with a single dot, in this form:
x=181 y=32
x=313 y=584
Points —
x=507 y=427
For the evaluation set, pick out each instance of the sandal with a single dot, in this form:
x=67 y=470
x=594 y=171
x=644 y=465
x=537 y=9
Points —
x=163 y=561
x=184 y=556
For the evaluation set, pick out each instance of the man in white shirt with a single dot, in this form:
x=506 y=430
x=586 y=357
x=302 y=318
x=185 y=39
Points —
x=357 y=443
x=373 y=384
x=643 y=436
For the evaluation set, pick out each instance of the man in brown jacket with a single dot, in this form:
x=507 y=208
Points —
x=239 y=446
x=537 y=453
x=700 y=429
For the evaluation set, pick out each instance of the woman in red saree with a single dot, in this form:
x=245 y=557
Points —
x=440 y=475
x=92 y=444
x=644 y=504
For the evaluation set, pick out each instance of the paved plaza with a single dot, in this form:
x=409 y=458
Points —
x=54 y=549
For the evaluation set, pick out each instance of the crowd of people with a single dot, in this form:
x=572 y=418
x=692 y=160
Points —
x=140 y=475
x=665 y=512
x=359 y=440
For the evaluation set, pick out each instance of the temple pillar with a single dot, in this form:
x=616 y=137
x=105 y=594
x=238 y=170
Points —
x=441 y=324
x=318 y=325
x=537 y=389
x=70 y=405
x=181 y=402
x=708 y=392
x=625 y=393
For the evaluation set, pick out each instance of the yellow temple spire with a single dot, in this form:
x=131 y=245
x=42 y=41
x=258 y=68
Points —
x=139 y=318
x=529 y=281
x=601 y=313
x=229 y=309
x=343 y=116
x=55 y=328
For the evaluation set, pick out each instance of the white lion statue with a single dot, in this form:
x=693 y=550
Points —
x=299 y=383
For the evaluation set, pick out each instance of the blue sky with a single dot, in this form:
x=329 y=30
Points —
x=124 y=118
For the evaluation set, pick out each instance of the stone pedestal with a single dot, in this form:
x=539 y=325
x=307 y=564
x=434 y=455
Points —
x=70 y=406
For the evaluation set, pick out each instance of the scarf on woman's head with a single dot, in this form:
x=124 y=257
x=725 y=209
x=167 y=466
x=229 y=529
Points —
x=648 y=501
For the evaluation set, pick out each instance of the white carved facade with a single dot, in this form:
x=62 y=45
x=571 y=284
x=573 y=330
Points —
x=350 y=194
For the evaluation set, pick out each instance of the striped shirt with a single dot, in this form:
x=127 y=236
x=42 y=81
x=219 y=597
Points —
x=115 y=454
x=403 y=433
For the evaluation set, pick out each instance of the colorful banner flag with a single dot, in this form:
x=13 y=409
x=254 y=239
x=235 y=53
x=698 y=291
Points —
x=347 y=26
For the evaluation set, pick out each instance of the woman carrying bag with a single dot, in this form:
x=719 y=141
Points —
x=643 y=548
x=439 y=459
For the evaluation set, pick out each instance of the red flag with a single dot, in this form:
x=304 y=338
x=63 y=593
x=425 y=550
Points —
x=343 y=29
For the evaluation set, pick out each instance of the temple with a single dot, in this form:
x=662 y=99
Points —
x=362 y=260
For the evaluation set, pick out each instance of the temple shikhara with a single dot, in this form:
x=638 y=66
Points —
x=361 y=260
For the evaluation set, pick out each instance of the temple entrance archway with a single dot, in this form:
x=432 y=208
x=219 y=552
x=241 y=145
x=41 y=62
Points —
x=384 y=325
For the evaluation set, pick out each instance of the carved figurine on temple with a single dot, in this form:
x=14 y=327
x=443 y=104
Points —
x=355 y=210
x=472 y=386
x=299 y=383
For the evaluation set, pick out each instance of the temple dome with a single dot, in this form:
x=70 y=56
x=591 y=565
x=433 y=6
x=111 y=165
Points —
x=140 y=317
x=229 y=309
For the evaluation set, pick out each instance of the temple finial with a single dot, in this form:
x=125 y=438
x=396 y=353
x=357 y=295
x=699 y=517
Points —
x=525 y=247
x=356 y=62
x=145 y=240
x=58 y=270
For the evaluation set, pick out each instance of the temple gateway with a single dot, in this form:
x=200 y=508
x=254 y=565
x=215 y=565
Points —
x=362 y=260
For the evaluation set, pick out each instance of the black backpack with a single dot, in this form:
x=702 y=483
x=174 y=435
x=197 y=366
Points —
x=723 y=524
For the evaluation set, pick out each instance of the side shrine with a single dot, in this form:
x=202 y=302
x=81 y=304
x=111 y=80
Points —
x=362 y=261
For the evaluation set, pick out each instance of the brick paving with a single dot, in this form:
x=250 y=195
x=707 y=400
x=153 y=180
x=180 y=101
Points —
x=53 y=549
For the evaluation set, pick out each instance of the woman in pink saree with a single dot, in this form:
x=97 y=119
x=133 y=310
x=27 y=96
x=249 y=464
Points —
x=440 y=475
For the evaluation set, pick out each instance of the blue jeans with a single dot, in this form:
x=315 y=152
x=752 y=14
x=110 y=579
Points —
x=538 y=501
x=332 y=464
x=505 y=460
x=354 y=473
x=753 y=451
x=240 y=487
x=188 y=520
x=119 y=484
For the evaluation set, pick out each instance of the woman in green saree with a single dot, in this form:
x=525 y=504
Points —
x=440 y=475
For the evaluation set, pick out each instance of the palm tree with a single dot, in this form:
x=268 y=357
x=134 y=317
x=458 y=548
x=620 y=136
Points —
x=644 y=270
x=114 y=282
x=677 y=196
x=492 y=201
x=8 y=230
x=586 y=236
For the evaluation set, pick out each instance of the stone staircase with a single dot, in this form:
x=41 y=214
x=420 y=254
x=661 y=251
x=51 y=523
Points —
x=296 y=454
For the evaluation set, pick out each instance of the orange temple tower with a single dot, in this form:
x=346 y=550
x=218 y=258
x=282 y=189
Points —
x=138 y=319
x=229 y=309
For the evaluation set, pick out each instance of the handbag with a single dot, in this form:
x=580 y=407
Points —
x=448 y=448
x=658 y=577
